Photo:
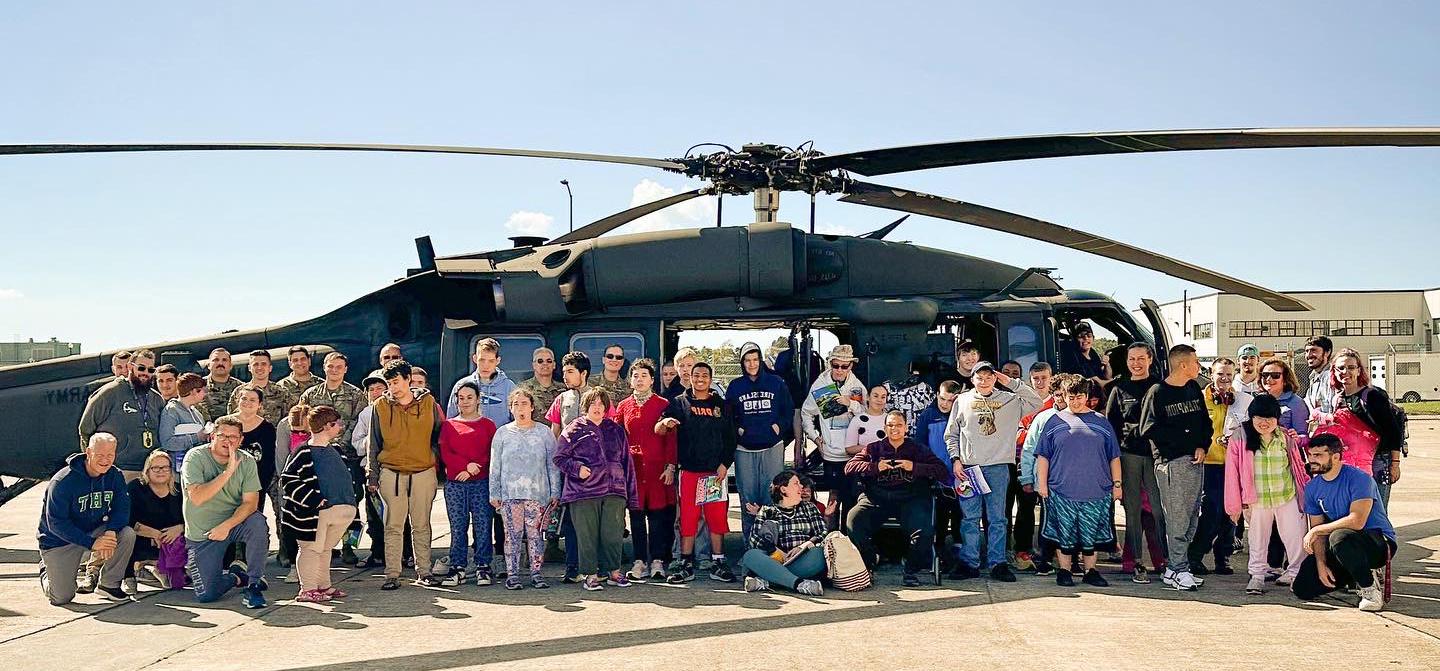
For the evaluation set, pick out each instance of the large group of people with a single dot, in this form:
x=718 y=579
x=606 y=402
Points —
x=176 y=468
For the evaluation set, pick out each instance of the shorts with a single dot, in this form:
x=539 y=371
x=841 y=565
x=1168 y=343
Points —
x=1078 y=526
x=717 y=514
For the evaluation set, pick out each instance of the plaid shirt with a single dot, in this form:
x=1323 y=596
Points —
x=1274 y=485
x=784 y=528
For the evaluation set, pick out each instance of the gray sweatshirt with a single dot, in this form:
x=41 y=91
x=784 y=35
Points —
x=133 y=417
x=982 y=429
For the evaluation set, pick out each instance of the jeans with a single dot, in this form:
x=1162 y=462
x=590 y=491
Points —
x=754 y=469
x=1351 y=556
x=652 y=532
x=58 y=566
x=467 y=505
x=1216 y=532
x=810 y=564
x=600 y=530
x=1137 y=476
x=1181 y=482
x=992 y=506
x=1381 y=463
x=914 y=515
x=207 y=565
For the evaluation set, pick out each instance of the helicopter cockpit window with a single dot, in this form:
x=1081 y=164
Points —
x=1023 y=344
x=515 y=351
x=594 y=344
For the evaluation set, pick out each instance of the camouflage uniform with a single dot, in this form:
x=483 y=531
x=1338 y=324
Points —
x=348 y=400
x=217 y=397
x=544 y=396
x=275 y=402
x=295 y=387
x=618 y=390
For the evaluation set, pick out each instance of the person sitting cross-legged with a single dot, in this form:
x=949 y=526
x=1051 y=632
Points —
x=897 y=474
x=785 y=540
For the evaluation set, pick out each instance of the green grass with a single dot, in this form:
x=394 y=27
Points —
x=1422 y=408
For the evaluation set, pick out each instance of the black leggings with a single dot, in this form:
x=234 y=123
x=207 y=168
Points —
x=1351 y=556
x=652 y=534
x=1022 y=531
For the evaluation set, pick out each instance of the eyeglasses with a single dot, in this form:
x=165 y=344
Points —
x=839 y=366
x=142 y=368
x=544 y=361
x=157 y=469
x=1350 y=368
x=1271 y=376
x=615 y=357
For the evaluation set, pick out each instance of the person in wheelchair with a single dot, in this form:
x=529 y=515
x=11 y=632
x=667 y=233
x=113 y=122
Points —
x=897 y=475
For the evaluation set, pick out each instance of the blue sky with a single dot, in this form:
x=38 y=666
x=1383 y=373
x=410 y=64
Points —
x=120 y=250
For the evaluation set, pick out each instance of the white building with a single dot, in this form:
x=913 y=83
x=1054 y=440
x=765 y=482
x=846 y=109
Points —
x=1371 y=322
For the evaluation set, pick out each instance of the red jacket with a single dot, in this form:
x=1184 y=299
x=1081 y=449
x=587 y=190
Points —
x=649 y=453
x=465 y=442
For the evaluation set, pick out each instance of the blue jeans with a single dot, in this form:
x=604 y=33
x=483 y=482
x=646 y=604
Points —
x=810 y=564
x=467 y=504
x=754 y=469
x=992 y=506
x=207 y=558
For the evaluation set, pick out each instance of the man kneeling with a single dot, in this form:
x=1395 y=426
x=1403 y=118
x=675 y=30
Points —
x=897 y=473
x=1350 y=535
x=222 y=497
x=86 y=507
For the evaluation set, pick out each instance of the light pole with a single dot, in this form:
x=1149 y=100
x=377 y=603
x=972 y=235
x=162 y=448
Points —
x=568 y=192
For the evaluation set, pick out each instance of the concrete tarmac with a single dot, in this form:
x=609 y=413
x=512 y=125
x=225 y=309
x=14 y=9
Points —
x=709 y=625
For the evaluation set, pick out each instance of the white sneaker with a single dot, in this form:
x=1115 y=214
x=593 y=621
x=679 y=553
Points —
x=441 y=566
x=1184 y=582
x=637 y=572
x=1372 y=598
x=293 y=577
x=810 y=588
x=1256 y=586
x=756 y=584
x=657 y=569
x=1285 y=580
x=1168 y=578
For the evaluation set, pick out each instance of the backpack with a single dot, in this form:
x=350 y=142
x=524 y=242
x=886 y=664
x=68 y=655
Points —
x=843 y=564
x=1402 y=421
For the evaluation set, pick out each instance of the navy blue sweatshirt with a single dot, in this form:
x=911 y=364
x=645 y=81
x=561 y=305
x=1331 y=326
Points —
x=756 y=405
x=76 y=505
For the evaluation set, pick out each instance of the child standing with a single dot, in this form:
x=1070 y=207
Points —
x=465 y=452
x=524 y=486
x=1077 y=473
x=318 y=503
x=1265 y=473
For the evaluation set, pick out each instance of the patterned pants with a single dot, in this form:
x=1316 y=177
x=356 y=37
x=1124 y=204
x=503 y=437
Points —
x=524 y=522
x=467 y=504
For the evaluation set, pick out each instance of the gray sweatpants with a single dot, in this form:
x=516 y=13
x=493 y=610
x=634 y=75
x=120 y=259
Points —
x=59 y=565
x=1181 y=483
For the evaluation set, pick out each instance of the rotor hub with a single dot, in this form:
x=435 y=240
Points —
x=761 y=166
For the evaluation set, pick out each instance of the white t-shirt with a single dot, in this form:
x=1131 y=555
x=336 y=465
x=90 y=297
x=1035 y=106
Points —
x=864 y=429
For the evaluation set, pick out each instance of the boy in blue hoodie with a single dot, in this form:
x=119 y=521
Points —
x=930 y=431
x=760 y=404
x=86 y=508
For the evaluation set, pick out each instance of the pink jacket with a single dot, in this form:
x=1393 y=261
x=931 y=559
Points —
x=1240 y=473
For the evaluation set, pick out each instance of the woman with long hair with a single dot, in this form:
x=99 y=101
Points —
x=1265 y=474
x=1365 y=421
x=784 y=541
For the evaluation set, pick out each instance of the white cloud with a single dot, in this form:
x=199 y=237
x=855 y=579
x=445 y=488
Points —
x=689 y=214
x=824 y=228
x=530 y=223
x=11 y=295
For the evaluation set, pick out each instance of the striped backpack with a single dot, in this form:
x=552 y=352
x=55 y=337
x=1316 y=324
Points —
x=843 y=564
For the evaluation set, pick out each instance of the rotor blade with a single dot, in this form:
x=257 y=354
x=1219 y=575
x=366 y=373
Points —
x=903 y=200
x=879 y=234
x=614 y=221
x=15 y=149
x=970 y=152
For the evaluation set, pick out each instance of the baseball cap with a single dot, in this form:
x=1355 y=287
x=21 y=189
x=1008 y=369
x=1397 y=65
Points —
x=371 y=378
x=984 y=365
x=1248 y=350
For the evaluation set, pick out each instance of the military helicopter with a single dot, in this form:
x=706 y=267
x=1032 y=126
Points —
x=894 y=302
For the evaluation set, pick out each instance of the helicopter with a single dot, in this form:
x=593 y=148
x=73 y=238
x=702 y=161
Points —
x=894 y=302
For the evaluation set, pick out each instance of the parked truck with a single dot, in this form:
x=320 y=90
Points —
x=1408 y=376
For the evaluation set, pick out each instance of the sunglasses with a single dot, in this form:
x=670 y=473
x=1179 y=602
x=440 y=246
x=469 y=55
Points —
x=544 y=361
x=840 y=366
x=615 y=357
x=390 y=357
x=142 y=368
x=1271 y=376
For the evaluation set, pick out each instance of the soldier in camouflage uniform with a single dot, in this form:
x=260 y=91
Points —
x=346 y=398
x=614 y=364
x=300 y=379
x=219 y=386
x=543 y=385
x=275 y=400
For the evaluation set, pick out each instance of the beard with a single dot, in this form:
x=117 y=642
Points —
x=1316 y=469
x=141 y=384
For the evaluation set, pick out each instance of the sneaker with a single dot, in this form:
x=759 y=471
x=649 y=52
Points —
x=684 y=573
x=130 y=586
x=112 y=593
x=1094 y=579
x=657 y=570
x=514 y=582
x=441 y=566
x=756 y=584
x=1043 y=567
x=1199 y=582
x=721 y=572
x=537 y=581
x=705 y=565
x=1372 y=598
x=483 y=577
x=335 y=592
x=160 y=577
x=1272 y=575
x=293 y=577
x=253 y=599
x=638 y=571
x=617 y=579
x=910 y=580
x=810 y=588
x=1184 y=581
x=1256 y=586
x=1284 y=580
x=1002 y=573
x=1223 y=568
x=1140 y=577
x=593 y=584
x=261 y=584
x=428 y=580
x=1024 y=562
x=454 y=578
x=572 y=576
x=86 y=580
x=963 y=571
x=1064 y=578
x=312 y=596
x=1168 y=578
x=390 y=584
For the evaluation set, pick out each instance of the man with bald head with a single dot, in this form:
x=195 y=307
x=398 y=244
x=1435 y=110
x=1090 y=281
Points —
x=86 y=509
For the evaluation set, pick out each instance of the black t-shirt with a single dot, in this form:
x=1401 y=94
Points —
x=153 y=511
x=1072 y=360
x=260 y=443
